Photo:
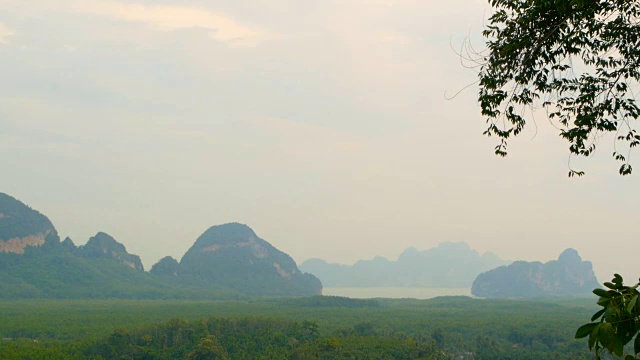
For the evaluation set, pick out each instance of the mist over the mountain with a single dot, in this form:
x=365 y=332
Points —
x=569 y=275
x=230 y=260
x=449 y=265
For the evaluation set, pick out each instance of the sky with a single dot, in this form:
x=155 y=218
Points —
x=329 y=127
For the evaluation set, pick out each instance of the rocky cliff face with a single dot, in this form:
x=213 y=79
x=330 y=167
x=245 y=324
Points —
x=232 y=256
x=22 y=227
x=567 y=276
x=104 y=246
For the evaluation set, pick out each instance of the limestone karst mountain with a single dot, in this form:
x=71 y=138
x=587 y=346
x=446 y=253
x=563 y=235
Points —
x=227 y=261
x=232 y=256
x=22 y=227
x=104 y=246
x=567 y=276
x=449 y=265
x=166 y=267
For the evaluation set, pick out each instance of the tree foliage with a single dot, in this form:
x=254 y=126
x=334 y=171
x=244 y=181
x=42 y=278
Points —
x=207 y=349
x=618 y=320
x=576 y=59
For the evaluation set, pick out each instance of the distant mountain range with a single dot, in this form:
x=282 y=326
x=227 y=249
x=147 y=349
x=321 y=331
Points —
x=567 y=276
x=227 y=261
x=231 y=262
x=449 y=265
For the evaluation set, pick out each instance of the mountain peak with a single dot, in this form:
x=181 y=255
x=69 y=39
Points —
x=455 y=264
x=68 y=244
x=167 y=266
x=570 y=256
x=22 y=227
x=104 y=245
x=410 y=252
x=231 y=228
x=567 y=276
x=233 y=256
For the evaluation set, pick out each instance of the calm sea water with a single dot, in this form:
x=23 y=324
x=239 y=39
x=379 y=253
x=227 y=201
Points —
x=396 y=293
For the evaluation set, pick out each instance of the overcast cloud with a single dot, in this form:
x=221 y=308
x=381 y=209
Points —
x=322 y=125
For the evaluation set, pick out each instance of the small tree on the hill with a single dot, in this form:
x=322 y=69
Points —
x=208 y=349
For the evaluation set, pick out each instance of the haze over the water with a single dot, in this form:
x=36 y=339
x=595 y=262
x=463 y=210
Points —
x=322 y=125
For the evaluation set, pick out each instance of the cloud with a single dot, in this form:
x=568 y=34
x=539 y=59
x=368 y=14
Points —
x=5 y=32
x=307 y=141
x=393 y=38
x=167 y=18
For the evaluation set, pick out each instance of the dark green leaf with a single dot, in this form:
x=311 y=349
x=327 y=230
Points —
x=598 y=314
x=602 y=293
x=593 y=337
x=632 y=303
x=606 y=335
x=617 y=279
x=618 y=347
x=585 y=330
x=603 y=301
x=610 y=285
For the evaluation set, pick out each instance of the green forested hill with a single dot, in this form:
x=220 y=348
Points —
x=104 y=246
x=232 y=256
x=226 y=262
x=55 y=272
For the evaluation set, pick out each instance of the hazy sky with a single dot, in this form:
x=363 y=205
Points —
x=323 y=125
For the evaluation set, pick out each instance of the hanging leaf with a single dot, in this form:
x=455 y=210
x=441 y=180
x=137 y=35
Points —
x=585 y=330
x=598 y=314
